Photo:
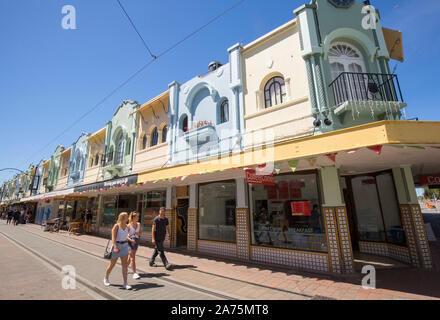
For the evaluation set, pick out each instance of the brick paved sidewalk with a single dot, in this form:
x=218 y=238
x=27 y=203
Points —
x=253 y=281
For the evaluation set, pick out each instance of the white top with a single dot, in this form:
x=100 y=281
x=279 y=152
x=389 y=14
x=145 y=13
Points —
x=132 y=231
x=121 y=234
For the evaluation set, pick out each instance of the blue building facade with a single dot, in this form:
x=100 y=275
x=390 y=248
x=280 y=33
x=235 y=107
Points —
x=206 y=113
x=78 y=160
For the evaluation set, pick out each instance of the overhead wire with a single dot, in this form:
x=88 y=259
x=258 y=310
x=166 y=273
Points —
x=155 y=58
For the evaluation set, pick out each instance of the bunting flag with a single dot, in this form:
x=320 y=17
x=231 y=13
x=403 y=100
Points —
x=293 y=164
x=377 y=149
x=352 y=151
x=417 y=147
x=312 y=161
x=397 y=146
x=277 y=168
x=184 y=177
x=332 y=156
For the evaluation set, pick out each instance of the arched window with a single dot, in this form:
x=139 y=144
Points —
x=91 y=162
x=184 y=123
x=154 y=137
x=144 y=142
x=77 y=162
x=128 y=147
x=274 y=92
x=224 y=111
x=120 y=147
x=96 y=159
x=164 y=134
x=345 y=58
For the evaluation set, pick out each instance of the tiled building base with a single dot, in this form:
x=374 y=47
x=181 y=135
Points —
x=192 y=230
x=386 y=250
x=421 y=237
x=243 y=239
x=171 y=215
x=296 y=259
x=217 y=248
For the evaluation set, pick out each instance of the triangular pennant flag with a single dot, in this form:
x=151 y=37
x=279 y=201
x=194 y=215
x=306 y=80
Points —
x=277 y=168
x=397 y=146
x=184 y=177
x=377 y=149
x=332 y=156
x=293 y=164
x=312 y=161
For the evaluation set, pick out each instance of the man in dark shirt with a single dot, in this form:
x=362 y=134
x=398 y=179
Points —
x=160 y=227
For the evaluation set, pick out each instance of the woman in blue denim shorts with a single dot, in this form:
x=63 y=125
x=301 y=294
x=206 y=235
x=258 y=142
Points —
x=120 y=249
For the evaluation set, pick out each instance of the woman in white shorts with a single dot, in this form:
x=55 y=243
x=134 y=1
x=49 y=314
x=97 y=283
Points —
x=119 y=249
x=134 y=234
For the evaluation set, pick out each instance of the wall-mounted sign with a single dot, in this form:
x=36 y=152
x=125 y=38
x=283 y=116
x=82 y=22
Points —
x=253 y=178
x=108 y=184
x=301 y=208
x=432 y=180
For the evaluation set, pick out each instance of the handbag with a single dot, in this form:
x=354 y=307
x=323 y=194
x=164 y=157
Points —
x=108 y=253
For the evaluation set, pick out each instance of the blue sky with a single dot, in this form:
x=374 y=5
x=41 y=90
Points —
x=50 y=76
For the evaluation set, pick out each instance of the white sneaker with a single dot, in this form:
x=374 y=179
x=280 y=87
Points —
x=136 y=276
x=106 y=282
x=127 y=287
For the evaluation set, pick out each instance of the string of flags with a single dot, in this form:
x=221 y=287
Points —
x=275 y=168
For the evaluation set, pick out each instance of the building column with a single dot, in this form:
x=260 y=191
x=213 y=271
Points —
x=242 y=220
x=192 y=234
x=171 y=215
x=99 y=213
x=340 y=252
x=412 y=218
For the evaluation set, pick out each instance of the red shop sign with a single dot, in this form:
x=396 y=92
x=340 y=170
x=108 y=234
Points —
x=253 y=178
x=432 y=180
x=301 y=208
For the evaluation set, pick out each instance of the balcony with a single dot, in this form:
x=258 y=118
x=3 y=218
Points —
x=201 y=135
x=367 y=94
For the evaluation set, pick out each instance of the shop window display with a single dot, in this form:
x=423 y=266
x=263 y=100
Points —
x=150 y=204
x=217 y=205
x=288 y=215
x=377 y=210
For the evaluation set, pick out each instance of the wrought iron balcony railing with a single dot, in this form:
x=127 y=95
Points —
x=351 y=86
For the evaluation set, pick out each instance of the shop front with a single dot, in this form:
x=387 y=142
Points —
x=327 y=201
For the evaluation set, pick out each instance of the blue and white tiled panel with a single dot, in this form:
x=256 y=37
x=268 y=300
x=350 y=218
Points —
x=217 y=248
x=386 y=250
x=318 y=262
x=422 y=239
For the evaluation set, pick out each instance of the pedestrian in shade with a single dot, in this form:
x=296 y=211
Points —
x=120 y=249
x=134 y=233
x=10 y=216
x=16 y=217
x=160 y=227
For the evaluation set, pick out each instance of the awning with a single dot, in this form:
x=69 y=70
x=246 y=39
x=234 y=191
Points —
x=394 y=42
x=48 y=195
x=418 y=136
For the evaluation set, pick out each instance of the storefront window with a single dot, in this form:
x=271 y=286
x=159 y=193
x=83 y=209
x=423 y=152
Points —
x=92 y=205
x=127 y=203
x=377 y=211
x=151 y=203
x=109 y=211
x=217 y=205
x=289 y=214
x=69 y=210
x=80 y=211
